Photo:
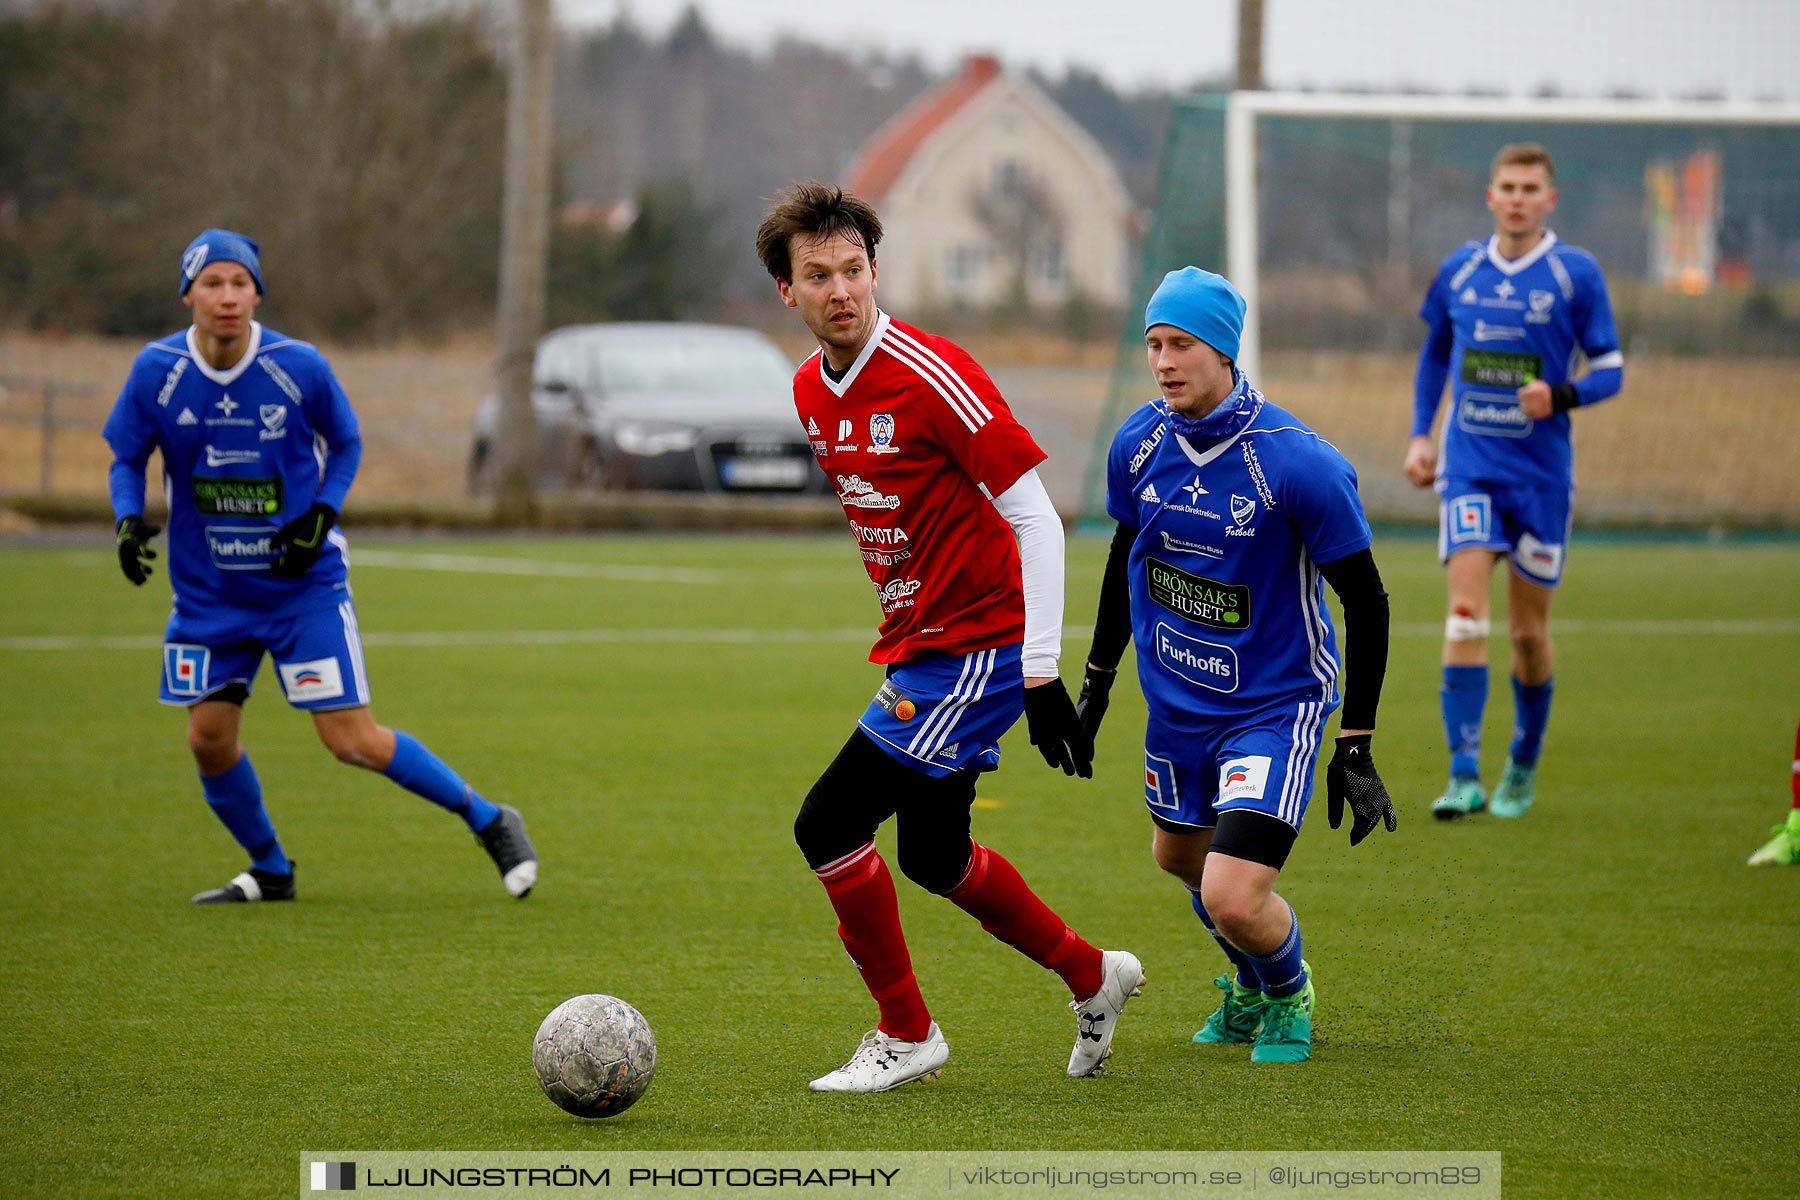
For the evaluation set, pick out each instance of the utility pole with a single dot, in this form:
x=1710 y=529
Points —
x=1250 y=46
x=524 y=246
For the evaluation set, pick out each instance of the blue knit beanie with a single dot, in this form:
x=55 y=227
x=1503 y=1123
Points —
x=1204 y=304
x=219 y=245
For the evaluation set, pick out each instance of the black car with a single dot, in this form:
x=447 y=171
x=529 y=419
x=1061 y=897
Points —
x=679 y=406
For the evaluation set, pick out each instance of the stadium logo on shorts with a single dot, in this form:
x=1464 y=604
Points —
x=1471 y=519
x=319 y=679
x=185 y=669
x=1245 y=778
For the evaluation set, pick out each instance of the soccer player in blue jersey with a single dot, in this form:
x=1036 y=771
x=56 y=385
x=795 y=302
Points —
x=1229 y=511
x=259 y=447
x=1508 y=320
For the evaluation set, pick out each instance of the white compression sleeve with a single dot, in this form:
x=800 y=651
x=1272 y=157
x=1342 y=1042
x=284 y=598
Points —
x=1027 y=508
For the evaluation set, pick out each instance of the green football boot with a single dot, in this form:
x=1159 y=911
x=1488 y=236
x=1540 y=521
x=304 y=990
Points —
x=1461 y=797
x=1514 y=793
x=1237 y=1017
x=1782 y=850
x=1286 y=1026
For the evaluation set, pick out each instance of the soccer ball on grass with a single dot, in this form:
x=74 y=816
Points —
x=594 y=1055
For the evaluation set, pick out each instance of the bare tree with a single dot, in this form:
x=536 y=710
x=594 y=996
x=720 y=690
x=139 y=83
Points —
x=1023 y=223
x=524 y=242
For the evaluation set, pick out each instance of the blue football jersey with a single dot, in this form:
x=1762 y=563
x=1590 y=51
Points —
x=1227 y=605
x=244 y=451
x=1510 y=322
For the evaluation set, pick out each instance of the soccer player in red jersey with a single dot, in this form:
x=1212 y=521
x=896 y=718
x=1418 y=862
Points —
x=937 y=480
x=1783 y=850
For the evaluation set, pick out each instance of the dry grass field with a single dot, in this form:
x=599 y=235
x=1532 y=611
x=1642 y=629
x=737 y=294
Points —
x=1691 y=442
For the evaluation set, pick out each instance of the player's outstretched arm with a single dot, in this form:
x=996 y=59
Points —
x=1049 y=713
x=1351 y=776
x=1112 y=632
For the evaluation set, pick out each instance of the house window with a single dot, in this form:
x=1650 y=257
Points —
x=1009 y=178
x=962 y=264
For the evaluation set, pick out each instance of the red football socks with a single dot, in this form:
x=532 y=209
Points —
x=993 y=892
x=862 y=894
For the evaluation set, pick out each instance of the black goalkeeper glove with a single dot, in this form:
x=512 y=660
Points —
x=1096 y=689
x=1056 y=730
x=297 y=544
x=134 y=548
x=1351 y=776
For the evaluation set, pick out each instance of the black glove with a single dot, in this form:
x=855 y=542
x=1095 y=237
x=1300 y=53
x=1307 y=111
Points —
x=134 y=548
x=297 y=544
x=1056 y=729
x=1352 y=776
x=1096 y=688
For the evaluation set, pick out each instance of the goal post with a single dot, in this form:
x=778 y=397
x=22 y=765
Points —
x=1330 y=214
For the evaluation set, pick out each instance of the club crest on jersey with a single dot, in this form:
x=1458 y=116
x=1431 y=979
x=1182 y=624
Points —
x=1541 y=304
x=881 y=434
x=274 y=419
x=1242 y=509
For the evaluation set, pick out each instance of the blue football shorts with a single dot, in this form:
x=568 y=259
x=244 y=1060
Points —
x=1528 y=523
x=946 y=714
x=317 y=652
x=1262 y=763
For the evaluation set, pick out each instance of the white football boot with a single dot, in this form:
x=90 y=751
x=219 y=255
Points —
x=1097 y=1018
x=882 y=1062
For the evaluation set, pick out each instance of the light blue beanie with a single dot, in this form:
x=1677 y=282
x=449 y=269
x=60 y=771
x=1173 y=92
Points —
x=219 y=245
x=1202 y=303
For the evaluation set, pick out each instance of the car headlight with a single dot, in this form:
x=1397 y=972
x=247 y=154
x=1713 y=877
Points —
x=647 y=440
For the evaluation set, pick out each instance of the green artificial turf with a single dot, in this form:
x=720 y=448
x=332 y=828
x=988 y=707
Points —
x=1602 y=991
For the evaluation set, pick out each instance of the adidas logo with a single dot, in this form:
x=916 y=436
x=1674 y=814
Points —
x=949 y=751
x=187 y=417
x=1148 y=495
x=812 y=427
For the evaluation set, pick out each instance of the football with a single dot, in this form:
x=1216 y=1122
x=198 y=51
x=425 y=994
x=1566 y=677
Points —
x=594 y=1055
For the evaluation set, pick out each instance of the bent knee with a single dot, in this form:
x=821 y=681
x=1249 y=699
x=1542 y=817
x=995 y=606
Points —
x=936 y=864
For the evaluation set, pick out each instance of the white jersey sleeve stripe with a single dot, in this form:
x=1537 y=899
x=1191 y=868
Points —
x=945 y=371
x=1607 y=361
x=902 y=355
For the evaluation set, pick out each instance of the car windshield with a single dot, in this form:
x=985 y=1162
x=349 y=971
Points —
x=726 y=368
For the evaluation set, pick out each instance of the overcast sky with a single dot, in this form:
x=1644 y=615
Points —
x=1745 y=49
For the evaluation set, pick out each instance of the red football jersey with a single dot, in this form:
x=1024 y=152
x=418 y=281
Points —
x=917 y=442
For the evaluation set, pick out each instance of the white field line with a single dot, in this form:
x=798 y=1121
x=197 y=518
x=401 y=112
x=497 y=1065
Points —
x=1746 y=627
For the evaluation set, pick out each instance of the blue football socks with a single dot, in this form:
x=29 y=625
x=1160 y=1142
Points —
x=236 y=798
x=423 y=773
x=1463 y=697
x=1531 y=714
x=1246 y=970
x=1282 y=972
